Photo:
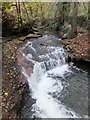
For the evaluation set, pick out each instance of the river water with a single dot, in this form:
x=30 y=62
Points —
x=58 y=89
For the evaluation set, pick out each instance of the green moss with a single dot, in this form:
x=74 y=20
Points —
x=88 y=51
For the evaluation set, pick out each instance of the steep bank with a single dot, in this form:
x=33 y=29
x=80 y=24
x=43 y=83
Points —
x=11 y=86
x=79 y=47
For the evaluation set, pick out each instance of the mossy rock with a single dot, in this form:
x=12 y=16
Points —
x=69 y=35
x=86 y=59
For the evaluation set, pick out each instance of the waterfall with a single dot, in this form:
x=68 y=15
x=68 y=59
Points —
x=44 y=82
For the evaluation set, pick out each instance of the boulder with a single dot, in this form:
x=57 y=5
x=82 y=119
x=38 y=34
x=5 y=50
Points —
x=33 y=36
x=35 y=29
x=30 y=36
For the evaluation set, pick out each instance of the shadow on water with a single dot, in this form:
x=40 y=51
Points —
x=83 y=65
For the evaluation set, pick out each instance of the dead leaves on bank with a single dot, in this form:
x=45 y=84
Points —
x=10 y=77
x=78 y=46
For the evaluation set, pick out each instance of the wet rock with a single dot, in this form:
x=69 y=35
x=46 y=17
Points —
x=33 y=36
x=35 y=29
x=24 y=65
x=26 y=103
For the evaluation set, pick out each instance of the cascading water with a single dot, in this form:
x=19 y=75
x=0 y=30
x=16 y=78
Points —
x=45 y=82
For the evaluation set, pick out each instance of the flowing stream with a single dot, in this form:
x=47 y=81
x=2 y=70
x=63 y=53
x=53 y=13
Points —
x=52 y=79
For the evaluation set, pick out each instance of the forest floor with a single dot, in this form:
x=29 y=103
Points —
x=79 y=47
x=11 y=86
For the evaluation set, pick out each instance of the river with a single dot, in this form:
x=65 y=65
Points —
x=57 y=89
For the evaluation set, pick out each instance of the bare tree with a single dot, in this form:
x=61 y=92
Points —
x=89 y=15
x=26 y=11
x=18 y=8
x=74 y=18
x=73 y=31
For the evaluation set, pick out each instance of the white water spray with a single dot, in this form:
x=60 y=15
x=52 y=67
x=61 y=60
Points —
x=43 y=83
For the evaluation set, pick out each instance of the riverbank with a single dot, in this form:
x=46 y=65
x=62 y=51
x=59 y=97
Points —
x=79 y=47
x=11 y=87
x=13 y=83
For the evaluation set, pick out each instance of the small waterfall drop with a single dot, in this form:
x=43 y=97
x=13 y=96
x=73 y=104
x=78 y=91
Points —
x=49 y=67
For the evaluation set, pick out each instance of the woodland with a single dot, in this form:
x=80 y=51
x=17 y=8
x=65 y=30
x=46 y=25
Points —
x=24 y=20
x=68 y=19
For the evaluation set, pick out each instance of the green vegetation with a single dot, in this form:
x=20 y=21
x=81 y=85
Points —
x=36 y=14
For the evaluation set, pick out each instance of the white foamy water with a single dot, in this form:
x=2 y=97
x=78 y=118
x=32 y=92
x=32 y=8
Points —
x=43 y=83
x=46 y=106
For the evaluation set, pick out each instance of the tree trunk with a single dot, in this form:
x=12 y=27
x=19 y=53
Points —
x=26 y=11
x=73 y=31
x=18 y=11
x=74 y=18
x=42 y=15
x=89 y=15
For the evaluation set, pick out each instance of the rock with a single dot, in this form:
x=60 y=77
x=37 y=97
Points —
x=41 y=27
x=69 y=35
x=24 y=64
x=35 y=29
x=22 y=38
x=42 y=44
x=86 y=59
x=0 y=39
x=33 y=36
x=37 y=33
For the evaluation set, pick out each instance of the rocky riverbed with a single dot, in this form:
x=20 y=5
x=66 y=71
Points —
x=16 y=91
x=74 y=95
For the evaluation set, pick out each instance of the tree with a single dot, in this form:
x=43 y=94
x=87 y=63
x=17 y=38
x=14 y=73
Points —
x=73 y=31
x=19 y=11
x=88 y=15
x=74 y=19
x=26 y=11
